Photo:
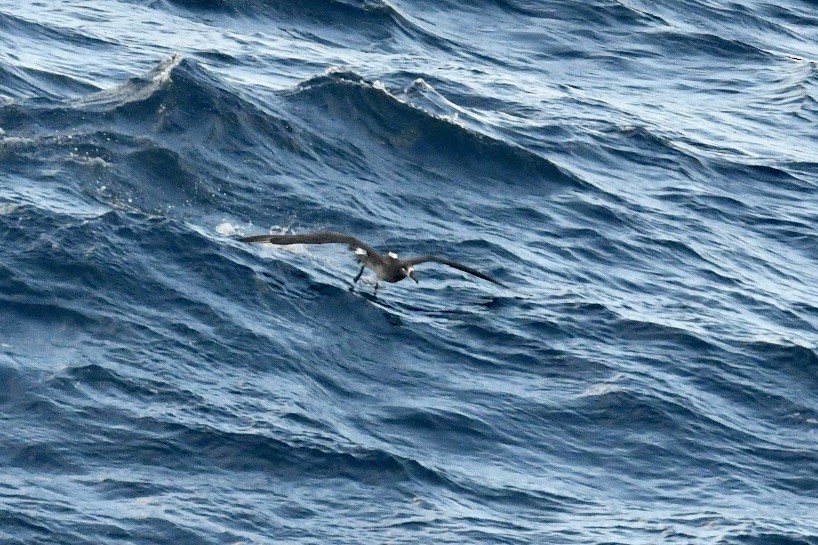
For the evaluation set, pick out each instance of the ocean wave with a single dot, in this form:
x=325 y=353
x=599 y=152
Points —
x=771 y=538
x=175 y=97
x=28 y=30
x=359 y=19
x=796 y=362
x=600 y=13
x=178 y=96
x=316 y=10
x=135 y=139
x=406 y=129
x=27 y=83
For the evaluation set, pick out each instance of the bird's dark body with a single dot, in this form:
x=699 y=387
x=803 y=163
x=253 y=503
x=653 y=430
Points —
x=388 y=268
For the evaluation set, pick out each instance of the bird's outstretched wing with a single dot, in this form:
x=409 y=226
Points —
x=450 y=263
x=320 y=237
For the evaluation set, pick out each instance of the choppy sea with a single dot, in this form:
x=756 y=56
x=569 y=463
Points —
x=643 y=174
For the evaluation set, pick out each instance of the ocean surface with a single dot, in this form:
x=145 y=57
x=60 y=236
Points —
x=642 y=174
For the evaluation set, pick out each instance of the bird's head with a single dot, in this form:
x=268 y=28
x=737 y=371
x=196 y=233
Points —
x=410 y=272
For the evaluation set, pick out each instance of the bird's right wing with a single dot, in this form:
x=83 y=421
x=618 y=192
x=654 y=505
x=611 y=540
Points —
x=453 y=264
x=320 y=237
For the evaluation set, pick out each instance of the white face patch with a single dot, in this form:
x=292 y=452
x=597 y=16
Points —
x=393 y=255
x=360 y=251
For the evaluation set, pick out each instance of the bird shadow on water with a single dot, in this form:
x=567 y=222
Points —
x=397 y=310
x=390 y=310
x=436 y=304
x=350 y=300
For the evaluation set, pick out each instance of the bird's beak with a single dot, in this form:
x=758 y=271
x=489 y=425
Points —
x=414 y=277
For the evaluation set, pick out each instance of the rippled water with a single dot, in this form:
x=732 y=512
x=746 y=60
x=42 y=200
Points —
x=643 y=174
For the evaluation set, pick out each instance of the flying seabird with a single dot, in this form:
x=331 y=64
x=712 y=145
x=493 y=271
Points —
x=387 y=267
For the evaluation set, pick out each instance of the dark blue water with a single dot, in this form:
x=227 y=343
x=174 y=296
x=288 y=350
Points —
x=643 y=174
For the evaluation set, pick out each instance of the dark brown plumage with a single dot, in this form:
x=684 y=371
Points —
x=387 y=267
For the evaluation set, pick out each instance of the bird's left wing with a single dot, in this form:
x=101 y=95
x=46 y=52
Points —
x=450 y=263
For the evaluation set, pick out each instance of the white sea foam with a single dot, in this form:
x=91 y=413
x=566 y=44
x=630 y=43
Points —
x=227 y=229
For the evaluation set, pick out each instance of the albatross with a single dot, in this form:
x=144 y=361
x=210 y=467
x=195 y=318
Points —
x=387 y=267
